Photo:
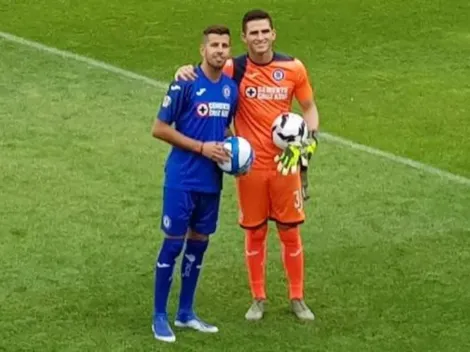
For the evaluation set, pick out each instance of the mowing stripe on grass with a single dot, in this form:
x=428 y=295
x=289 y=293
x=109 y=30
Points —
x=162 y=85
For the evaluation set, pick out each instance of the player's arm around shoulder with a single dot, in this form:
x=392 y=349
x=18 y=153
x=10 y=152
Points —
x=228 y=68
x=188 y=72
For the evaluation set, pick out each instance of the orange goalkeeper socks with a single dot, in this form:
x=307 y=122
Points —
x=255 y=257
x=293 y=259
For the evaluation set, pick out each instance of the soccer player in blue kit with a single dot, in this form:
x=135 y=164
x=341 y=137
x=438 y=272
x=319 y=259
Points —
x=201 y=111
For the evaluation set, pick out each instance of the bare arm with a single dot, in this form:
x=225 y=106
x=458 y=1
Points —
x=305 y=96
x=165 y=132
x=310 y=113
x=211 y=150
x=185 y=73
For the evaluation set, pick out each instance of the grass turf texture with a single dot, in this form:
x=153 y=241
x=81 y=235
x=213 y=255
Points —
x=387 y=246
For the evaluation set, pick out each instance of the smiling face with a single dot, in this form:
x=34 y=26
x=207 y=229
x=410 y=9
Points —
x=215 y=50
x=259 y=36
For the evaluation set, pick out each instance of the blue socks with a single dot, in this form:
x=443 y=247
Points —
x=190 y=269
x=170 y=250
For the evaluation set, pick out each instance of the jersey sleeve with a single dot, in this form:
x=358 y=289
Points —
x=173 y=103
x=303 y=89
x=228 y=68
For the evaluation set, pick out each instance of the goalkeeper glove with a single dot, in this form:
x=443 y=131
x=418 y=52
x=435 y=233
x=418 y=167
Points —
x=309 y=148
x=289 y=159
x=292 y=156
x=307 y=153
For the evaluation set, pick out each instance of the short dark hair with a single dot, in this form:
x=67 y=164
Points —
x=254 y=15
x=216 y=29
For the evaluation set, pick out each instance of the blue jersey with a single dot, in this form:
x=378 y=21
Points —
x=202 y=110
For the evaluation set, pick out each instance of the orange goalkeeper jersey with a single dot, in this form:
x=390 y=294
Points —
x=266 y=91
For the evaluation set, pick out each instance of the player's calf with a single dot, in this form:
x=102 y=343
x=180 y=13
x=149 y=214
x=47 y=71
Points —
x=191 y=265
x=170 y=250
x=293 y=259
x=294 y=264
x=196 y=246
x=255 y=258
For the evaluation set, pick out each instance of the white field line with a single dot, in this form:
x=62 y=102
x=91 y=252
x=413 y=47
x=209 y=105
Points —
x=163 y=85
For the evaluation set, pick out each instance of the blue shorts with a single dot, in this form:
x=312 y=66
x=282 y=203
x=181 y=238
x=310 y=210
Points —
x=184 y=210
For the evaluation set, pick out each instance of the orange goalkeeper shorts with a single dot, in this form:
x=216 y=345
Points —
x=268 y=195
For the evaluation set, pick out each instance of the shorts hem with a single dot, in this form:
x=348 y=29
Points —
x=203 y=233
x=251 y=227
x=194 y=189
x=172 y=234
x=288 y=223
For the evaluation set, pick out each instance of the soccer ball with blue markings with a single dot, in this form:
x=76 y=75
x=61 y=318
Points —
x=242 y=156
x=289 y=129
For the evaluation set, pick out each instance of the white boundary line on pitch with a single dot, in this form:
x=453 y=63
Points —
x=162 y=85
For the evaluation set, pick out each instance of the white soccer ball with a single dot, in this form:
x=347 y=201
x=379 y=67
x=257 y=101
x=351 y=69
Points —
x=289 y=129
x=242 y=156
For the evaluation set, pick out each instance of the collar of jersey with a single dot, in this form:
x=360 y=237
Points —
x=266 y=64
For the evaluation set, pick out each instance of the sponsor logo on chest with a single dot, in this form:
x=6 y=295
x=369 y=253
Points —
x=267 y=93
x=213 y=109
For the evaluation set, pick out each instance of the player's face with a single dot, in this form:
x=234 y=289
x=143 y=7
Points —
x=259 y=36
x=216 y=50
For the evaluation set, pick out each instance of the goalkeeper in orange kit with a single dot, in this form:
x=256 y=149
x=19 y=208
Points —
x=273 y=189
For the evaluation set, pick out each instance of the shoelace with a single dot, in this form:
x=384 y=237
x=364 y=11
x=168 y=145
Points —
x=302 y=304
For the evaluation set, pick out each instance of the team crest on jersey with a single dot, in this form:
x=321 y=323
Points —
x=166 y=101
x=226 y=91
x=278 y=75
x=251 y=92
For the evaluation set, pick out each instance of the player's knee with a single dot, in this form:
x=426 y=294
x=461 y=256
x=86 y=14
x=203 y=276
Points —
x=289 y=235
x=194 y=236
x=257 y=234
x=286 y=226
x=195 y=246
x=172 y=246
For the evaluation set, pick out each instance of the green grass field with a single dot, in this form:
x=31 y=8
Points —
x=387 y=246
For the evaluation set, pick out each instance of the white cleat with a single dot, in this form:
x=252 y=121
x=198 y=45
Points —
x=193 y=322
x=301 y=310
x=256 y=311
